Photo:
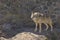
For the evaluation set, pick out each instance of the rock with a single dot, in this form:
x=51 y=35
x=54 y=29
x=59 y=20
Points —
x=2 y=38
x=26 y=36
x=29 y=36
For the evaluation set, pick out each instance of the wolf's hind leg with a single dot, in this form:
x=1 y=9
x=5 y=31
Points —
x=51 y=27
x=46 y=26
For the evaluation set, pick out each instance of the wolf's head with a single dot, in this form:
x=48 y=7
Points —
x=36 y=14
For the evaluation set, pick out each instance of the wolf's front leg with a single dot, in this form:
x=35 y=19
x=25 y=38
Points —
x=36 y=27
x=40 y=27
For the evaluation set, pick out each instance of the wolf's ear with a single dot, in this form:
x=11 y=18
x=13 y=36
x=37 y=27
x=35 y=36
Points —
x=31 y=14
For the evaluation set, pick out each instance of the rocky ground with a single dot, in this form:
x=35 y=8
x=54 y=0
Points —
x=15 y=21
x=26 y=36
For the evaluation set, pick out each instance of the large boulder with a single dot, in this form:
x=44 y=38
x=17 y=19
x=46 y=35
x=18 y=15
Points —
x=26 y=36
x=29 y=36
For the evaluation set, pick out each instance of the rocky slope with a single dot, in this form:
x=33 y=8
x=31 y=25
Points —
x=15 y=17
